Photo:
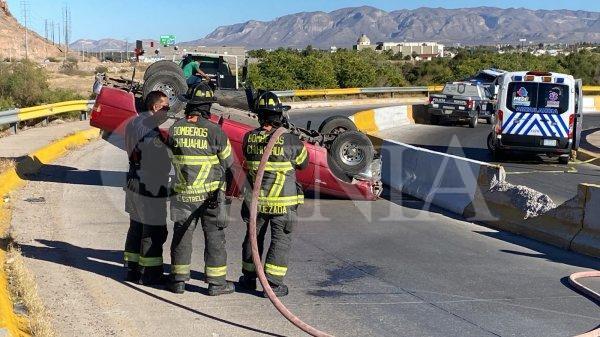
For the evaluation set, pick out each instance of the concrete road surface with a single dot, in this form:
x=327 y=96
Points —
x=384 y=268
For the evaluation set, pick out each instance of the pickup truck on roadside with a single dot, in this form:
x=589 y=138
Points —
x=462 y=102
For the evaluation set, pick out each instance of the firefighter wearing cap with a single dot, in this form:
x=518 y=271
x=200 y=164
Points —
x=201 y=156
x=280 y=195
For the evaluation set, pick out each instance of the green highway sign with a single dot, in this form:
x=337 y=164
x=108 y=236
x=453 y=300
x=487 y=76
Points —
x=167 y=40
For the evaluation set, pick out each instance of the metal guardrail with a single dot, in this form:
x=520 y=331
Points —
x=355 y=91
x=14 y=116
x=378 y=90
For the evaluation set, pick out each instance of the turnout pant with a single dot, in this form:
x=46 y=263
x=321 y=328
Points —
x=214 y=222
x=282 y=225
x=147 y=232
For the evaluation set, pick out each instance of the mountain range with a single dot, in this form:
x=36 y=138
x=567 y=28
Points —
x=479 y=25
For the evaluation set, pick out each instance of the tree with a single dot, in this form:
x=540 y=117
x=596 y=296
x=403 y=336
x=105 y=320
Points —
x=316 y=71
x=355 y=69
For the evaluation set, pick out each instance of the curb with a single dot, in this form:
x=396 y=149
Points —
x=17 y=325
x=588 y=156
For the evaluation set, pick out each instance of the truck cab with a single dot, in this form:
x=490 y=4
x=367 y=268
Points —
x=537 y=112
x=218 y=68
x=462 y=102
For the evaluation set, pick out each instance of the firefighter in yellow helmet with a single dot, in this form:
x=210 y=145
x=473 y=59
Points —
x=280 y=194
x=202 y=157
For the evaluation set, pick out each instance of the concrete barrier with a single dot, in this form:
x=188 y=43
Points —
x=591 y=103
x=524 y=211
x=587 y=241
x=444 y=180
x=383 y=118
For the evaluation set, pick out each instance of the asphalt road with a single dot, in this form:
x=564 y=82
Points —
x=538 y=172
x=384 y=268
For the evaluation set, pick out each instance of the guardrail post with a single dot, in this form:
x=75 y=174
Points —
x=83 y=116
x=14 y=127
x=45 y=121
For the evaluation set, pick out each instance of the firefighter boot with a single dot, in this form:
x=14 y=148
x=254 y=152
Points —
x=133 y=274
x=152 y=277
x=177 y=287
x=216 y=290
x=279 y=290
x=247 y=282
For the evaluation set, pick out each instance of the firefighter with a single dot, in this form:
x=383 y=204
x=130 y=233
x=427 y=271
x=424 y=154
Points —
x=280 y=195
x=146 y=192
x=202 y=157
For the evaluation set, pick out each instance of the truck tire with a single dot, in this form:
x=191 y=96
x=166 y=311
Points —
x=434 y=120
x=473 y=121
x=496 y=153
x=337 y=125
x=351 y=151
x=491 y=119
x=170 y=83
x=162 y=65
x=564 y=159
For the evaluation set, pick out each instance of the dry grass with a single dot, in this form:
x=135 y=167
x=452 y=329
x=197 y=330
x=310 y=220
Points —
x=6 y=164
x=24 y=291
x=81 y=85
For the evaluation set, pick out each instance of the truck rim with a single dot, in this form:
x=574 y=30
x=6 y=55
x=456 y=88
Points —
x=351 y=154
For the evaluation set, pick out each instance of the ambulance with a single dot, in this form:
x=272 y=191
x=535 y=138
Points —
x=537 y=112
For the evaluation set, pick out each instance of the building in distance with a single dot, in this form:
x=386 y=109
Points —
x=417 y=50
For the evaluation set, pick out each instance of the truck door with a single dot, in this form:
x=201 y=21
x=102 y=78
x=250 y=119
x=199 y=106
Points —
x=578 y=125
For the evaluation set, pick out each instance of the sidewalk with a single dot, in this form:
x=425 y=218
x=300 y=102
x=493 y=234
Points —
x=591 y=142
x=26 y=142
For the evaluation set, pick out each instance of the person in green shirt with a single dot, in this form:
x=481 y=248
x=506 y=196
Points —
x=192 y=72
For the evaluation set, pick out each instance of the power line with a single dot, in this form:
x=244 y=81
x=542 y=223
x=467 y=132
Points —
x=25 y=9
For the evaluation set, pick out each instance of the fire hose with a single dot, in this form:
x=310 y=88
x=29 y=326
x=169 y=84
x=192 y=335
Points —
x=587 y=292
x=308 y=328
x=256 y=256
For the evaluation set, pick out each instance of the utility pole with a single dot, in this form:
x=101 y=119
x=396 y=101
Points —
x=25 y=8
x=52 y=33
x=46 y=29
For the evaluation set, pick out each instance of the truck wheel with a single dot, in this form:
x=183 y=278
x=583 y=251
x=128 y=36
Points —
x=494 y=151
x=162 y=65
x=473 y=122
x=434 y=120
x=491 y=119
x=563 y=159
x=351 y=151
x=337 y=125
x=171 y=84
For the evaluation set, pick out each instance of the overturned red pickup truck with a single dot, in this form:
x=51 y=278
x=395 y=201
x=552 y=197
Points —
x=343 y=162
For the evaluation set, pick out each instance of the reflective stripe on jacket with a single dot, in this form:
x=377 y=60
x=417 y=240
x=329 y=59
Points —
x=279 y=188
x=201 y=153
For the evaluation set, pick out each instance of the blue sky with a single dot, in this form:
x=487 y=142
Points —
x=193 y=19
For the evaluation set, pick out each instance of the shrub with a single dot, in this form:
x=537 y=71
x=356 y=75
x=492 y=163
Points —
x=101 y=69
x=6 y=103
x=72 y=69
x=25 y=84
